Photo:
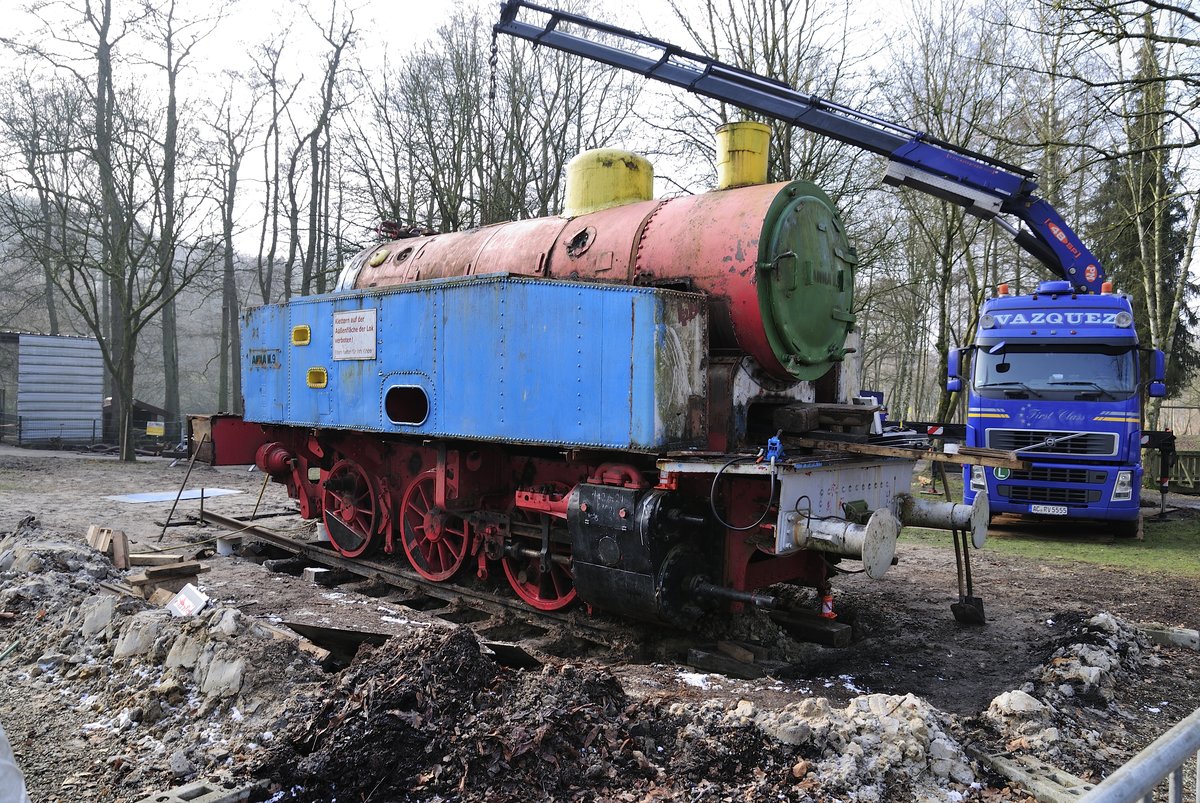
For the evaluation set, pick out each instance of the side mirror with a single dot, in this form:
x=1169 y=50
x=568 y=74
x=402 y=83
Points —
x=1158 y=383
x=953 y=381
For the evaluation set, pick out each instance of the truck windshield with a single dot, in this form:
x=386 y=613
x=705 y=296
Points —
x=1037 y=371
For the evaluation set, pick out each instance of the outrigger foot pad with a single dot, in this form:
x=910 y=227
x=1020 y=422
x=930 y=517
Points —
x=968 y=611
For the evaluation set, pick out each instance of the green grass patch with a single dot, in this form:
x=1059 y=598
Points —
x=1171 y=546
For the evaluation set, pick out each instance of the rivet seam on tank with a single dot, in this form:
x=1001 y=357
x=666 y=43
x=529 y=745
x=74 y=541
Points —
x=643 y=227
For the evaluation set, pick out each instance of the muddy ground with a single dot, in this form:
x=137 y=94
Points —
x=64 y=718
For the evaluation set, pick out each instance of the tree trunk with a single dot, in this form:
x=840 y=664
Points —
x=166 y=242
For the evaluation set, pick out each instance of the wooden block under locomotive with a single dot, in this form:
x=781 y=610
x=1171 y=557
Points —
x=582 y=402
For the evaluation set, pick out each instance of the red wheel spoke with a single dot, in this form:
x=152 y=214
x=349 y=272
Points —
x=549 y=590
x=435 y=540
x=350 y=508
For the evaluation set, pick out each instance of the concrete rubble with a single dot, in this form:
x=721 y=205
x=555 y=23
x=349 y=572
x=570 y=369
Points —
x=219 y=697
x=172 y=698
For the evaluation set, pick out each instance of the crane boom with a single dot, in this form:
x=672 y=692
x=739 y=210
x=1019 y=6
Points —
x=986 y=187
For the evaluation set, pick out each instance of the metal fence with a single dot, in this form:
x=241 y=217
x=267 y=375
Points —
x=1161 y=761
x=59 y=432
x=76 y=433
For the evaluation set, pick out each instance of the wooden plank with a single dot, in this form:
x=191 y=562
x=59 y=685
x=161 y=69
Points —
x=99 y=538
x=120 y=549
x=811 y=627
x=320 y=653
x=723 y=664
x=153 y=558
x=119 y=588
x=160 y=597
x=166 y=575
x=983 y=457
x=741 y=651
x=175 y=569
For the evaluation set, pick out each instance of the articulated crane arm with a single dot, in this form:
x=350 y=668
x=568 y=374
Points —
x=985 y=187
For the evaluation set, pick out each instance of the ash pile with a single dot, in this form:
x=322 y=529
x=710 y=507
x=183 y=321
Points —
x=430 y=717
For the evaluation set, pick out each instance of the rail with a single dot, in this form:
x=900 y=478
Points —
x=1162 y=760
x=599 y=630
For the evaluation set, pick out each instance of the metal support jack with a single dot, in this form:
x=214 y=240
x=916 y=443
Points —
x=969 y=608
x=182 y=486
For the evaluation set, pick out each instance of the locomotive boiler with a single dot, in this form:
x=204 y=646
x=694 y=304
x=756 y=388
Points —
x=591 y=402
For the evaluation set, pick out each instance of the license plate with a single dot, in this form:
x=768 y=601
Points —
x=1049 y=510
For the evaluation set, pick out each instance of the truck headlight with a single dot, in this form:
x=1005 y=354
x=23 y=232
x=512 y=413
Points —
x=1123 y=488
x=979 y=480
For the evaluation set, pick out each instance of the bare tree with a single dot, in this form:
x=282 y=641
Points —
x=176 y=38
x=109 y=193
x=36 y=121
x=338 y=33
x=950 y=81
x=267 y=66
x=234 y=130
x=805 y=44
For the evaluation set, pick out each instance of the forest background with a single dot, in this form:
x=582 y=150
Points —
x=166 y=163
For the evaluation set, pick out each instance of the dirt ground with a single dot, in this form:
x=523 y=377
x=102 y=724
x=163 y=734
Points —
x=907 y=643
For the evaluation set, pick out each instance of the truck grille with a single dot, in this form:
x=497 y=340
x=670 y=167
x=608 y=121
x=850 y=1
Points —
x=1030 y=441
x=1077 y=476
x=1062 y=496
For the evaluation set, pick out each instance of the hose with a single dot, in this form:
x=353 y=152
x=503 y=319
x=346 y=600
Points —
x=712 y=497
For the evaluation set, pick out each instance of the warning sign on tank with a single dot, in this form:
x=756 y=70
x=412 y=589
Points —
x=354 y=335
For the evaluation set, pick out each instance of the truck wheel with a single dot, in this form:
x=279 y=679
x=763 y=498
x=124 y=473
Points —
x=1128 y=529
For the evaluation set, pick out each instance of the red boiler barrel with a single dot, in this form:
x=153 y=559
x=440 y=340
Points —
x=773 y=259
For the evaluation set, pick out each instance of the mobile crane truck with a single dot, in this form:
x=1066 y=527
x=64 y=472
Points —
x=1055 y=376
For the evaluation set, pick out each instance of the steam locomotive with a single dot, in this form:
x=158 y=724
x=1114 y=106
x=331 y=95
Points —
x=591 y=402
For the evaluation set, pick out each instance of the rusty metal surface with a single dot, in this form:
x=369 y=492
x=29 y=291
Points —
x=708 y=242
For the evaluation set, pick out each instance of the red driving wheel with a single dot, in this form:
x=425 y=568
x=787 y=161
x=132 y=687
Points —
x=545 y=590
x=434 y=539
x=351 y=506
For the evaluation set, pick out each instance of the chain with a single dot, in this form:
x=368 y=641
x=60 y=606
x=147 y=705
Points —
x=492 y=169
x=492 y=62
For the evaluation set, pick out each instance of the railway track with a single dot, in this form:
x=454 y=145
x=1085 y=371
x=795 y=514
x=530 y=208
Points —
x=526 y=633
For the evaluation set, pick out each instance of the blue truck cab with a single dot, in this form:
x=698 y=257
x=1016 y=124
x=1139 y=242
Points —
x=1055 y=377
